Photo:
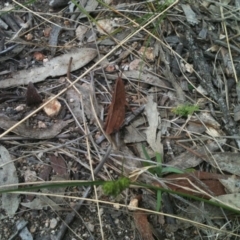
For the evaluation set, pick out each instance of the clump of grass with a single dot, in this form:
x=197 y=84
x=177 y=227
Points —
x=185 y=110
x=116 y=187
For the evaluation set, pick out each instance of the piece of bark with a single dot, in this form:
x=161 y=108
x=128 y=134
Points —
x=32 y=96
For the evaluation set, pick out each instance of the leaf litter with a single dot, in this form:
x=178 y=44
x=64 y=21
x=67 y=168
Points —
x=159 y=76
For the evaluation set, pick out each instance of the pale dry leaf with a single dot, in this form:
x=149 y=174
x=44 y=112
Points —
x=231 y=200
x=140 y=76
x=226 y=161
x=55 y=67
x=136 y=64
x=74 y=100
x=212 y=132
x=147 y=52
x=152 y=132
x=80 y=32
x=26 y=131
x=134 y=135
x=30 y=176
x=190 y=14
x=41 y=202
x=8 y=175
x=189 y=160
x=188 y=67
x=214 y=48
x=149 y=150
x=133 y=204
x=91 y=5
x=202 y=90
x=232 y=184
x=105 y=26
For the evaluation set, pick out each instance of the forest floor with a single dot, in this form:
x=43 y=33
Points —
x=119 y=119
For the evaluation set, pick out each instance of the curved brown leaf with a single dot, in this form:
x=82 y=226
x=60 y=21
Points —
x=116 y=112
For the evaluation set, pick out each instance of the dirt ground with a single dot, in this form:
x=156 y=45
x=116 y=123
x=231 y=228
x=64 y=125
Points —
x=143 y=95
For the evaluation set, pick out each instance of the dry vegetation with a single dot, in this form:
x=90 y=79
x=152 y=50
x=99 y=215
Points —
x=119 y=119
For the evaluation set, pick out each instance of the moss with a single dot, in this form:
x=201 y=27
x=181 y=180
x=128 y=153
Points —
x=185 y=110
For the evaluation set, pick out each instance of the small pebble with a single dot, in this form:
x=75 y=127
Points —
x=53 y=223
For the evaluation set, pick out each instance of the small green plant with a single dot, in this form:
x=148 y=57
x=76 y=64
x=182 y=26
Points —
x=116 y=187
x=185 y=110
x=158 y=170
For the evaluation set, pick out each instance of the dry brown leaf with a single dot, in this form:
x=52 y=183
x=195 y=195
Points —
x=58 y=164
x=142 y=224
x=208 y=182
x=116 y=112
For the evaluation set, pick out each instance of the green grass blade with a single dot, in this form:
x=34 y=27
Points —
x=159 y=200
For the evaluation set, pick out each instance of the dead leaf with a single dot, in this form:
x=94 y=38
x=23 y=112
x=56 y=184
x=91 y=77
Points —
x=142 y=225
x=44 y=174
x=147 y=52
x=142 y=77
x=80 y=32
x=75 y=99
x=226 y=161
x=232 y=184
x=55 y=67
x=190 y=14
x=153 y=132
x=189 y=160
x=207 y=119
x=136 y=64
x=40 y=202
x=133 y=135
x=232 y=200
x=58 y=164
x=30 y=176
x=8 y=175
x=116 y=112
x=105 y=26
x=25 y=131
x=208 y=182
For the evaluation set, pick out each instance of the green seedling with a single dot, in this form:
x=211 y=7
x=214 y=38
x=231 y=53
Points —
x=185 y=110
x=159 y=171
x=116 y=187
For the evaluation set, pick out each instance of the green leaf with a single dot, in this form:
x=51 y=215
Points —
x=159 y=200
x=145 y=153
x=171 y=170
x=158 y=169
